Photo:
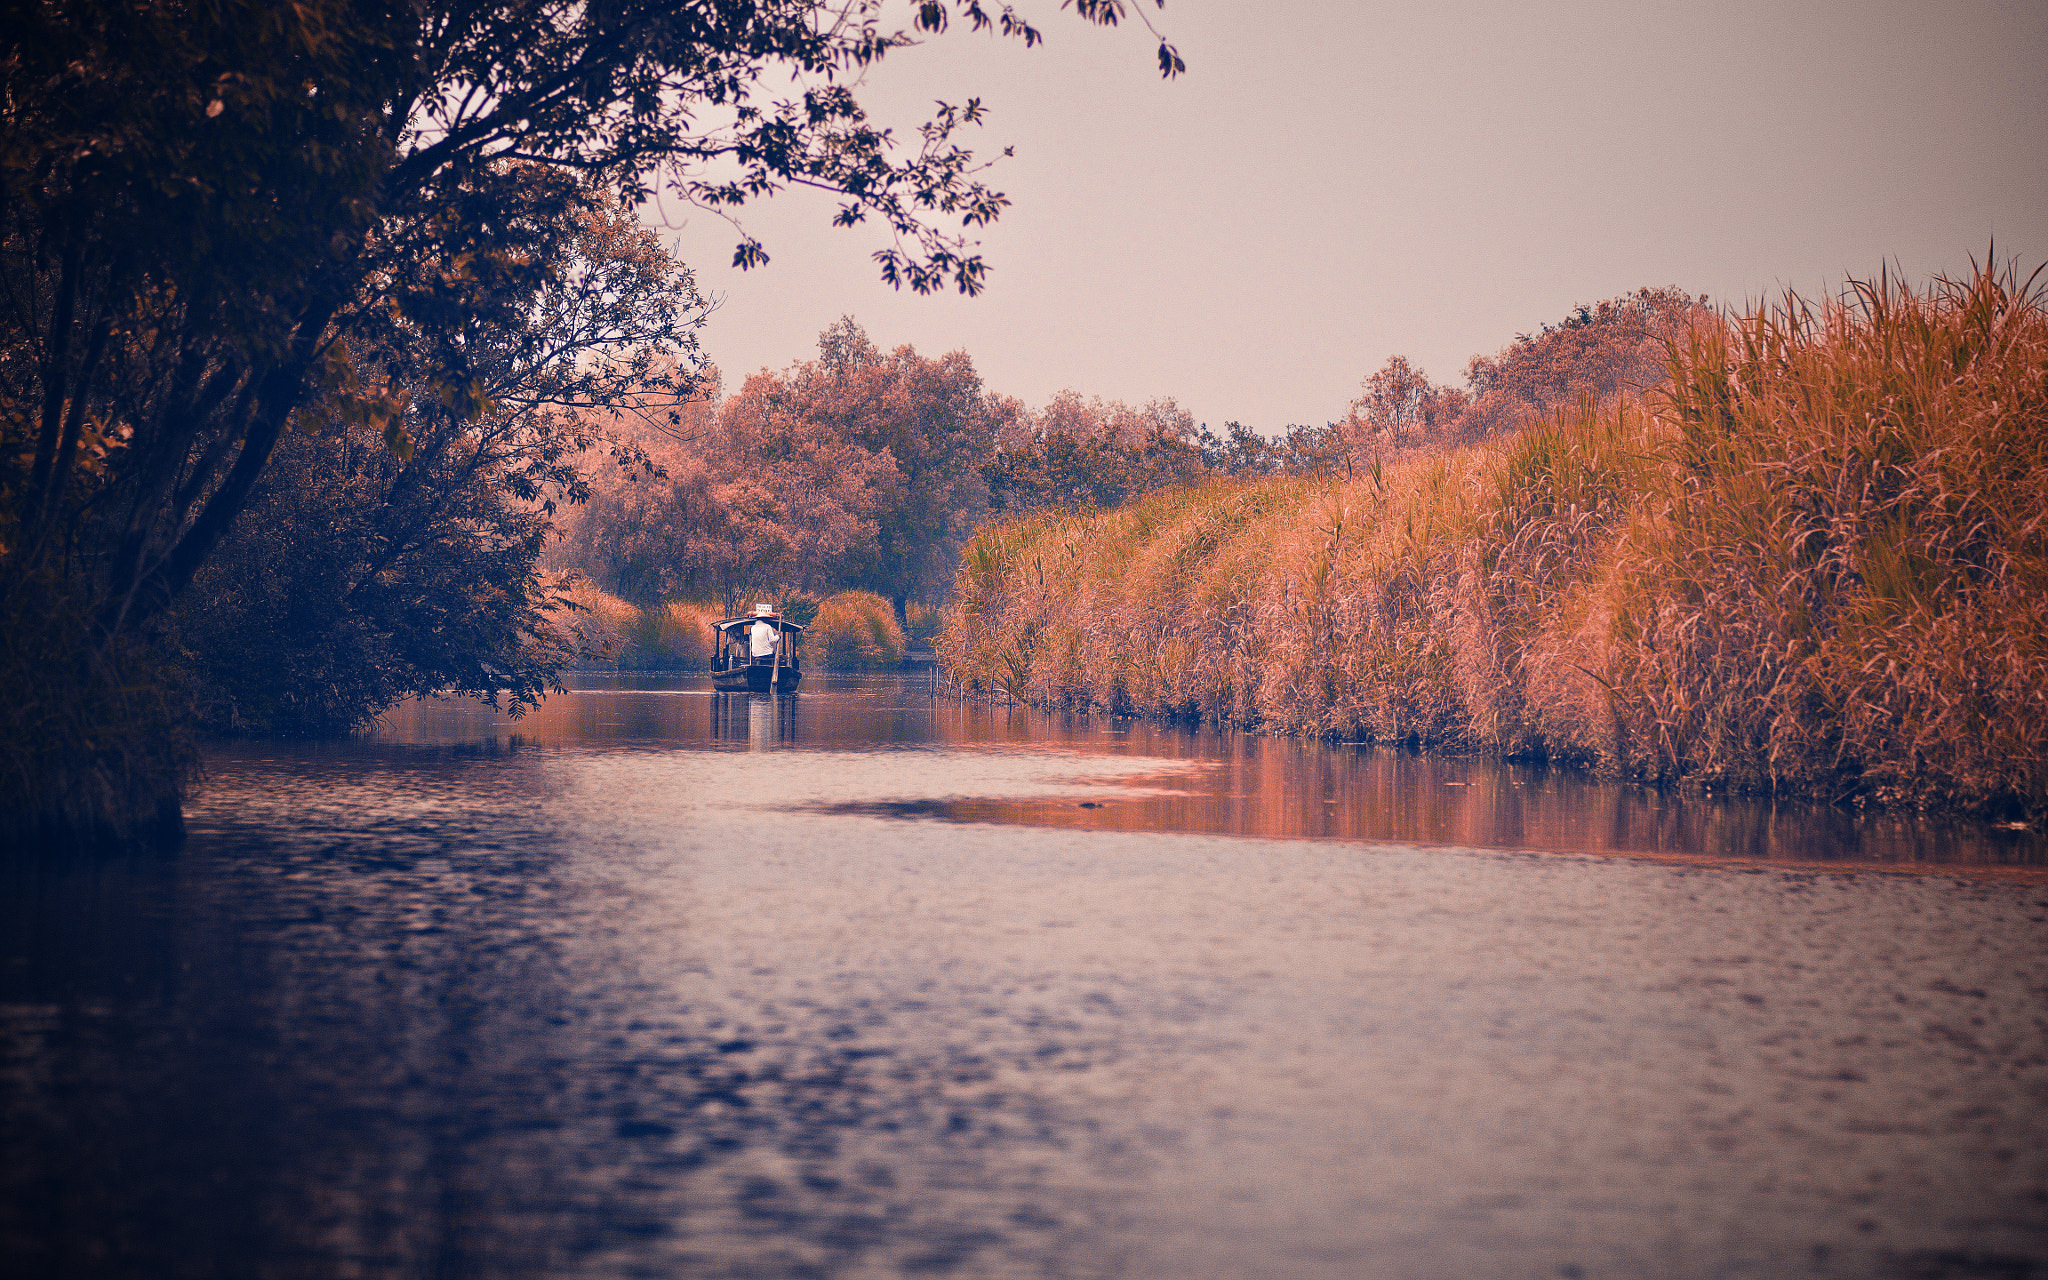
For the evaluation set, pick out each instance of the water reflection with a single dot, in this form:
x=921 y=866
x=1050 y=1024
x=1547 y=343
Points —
x=1171 y=778
x=656 y=982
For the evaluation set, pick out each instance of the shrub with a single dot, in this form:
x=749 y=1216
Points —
x=95 y=749
x=857 y=631
x=675 y=635
x=593 y=624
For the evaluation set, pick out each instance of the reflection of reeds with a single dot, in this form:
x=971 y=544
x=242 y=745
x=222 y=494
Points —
x=1814 y=561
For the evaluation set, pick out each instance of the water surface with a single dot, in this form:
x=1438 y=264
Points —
x=863 y=983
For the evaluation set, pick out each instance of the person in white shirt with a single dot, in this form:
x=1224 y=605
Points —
x=761 y=636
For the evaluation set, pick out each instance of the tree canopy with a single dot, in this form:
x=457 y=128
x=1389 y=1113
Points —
x=205 y=204
x=222 y=220
x=858 y=468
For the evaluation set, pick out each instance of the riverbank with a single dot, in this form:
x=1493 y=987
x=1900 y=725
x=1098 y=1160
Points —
x=1814 y=563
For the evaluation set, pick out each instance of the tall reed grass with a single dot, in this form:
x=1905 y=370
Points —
x=602 y=628
x=1814 y=561
x=677 y=633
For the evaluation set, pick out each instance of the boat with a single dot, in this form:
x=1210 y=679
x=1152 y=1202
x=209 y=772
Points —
x=737 y=669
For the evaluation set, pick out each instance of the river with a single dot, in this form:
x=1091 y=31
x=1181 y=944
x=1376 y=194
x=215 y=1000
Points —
x=866 y=983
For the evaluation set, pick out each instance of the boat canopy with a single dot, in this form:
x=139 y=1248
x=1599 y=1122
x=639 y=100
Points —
x=775 y=620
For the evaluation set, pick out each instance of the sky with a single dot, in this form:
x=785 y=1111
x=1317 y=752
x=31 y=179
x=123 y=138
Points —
x=1331 y=184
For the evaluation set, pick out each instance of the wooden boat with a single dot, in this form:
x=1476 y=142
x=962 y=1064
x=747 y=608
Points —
x=737 y=670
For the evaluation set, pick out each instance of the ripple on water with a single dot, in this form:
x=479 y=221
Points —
x=677 y=990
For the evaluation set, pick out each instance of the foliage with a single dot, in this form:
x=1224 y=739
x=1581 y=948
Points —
x=926 y=416
x=682 y=637
x=357 y=576
x=738 y=504
x=931 y=418
x=88 y=736
x=215 y=217
x=858 y=467
x=921 y=624
x=600 y=629
x=1601 y=351
x=347 y=586
x=597 y=626
x=800 y=609
x=1814 y=563
x=856 y=631
x=1239 y=451
x=1076 y=454
x=1402 y=409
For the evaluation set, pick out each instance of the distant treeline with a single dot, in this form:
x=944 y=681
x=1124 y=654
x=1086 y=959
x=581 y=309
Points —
x=466 y=556
x=869 y=469
x=1804 y=550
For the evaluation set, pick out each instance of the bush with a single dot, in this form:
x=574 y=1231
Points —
x=857 y=631
x=678 y=636
x=94 y=745
x=593 y=624
x=356 y=578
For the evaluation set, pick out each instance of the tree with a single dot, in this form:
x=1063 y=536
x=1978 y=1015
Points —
x=931 y=418
x=1239 y=451
x=743 y=497
x=1600 y=351
x=212 y=214
x=858 y=468
x=357 y=576
x=1401 y=408
x=1076 y=454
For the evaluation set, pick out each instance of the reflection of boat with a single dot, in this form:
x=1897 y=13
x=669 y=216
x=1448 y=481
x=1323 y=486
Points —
x=740 y=669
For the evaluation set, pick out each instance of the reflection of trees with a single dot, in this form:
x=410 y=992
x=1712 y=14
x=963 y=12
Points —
x=342 y=1054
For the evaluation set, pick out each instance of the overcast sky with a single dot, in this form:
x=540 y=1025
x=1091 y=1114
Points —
x=1334 y=183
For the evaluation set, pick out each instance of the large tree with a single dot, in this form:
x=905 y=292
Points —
x=928 y=415
x=745 y=497
x=358 y=575
x=858 y=468
x=203 y=206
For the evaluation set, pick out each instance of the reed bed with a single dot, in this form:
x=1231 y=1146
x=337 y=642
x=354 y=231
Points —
x=601 y=628
x=857 y=631
x=677 y=633
x=1812 y=562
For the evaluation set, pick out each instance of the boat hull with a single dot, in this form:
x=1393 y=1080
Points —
x=756 y=679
